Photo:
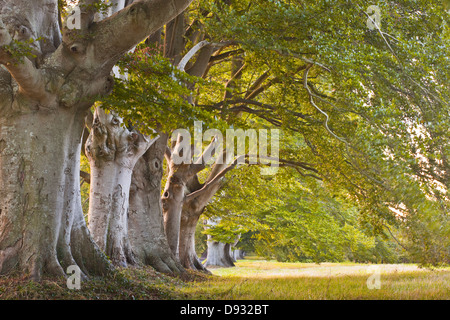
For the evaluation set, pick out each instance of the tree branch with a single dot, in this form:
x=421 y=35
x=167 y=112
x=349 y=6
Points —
x=174 y=41
x=258 y=83
x=225 y=55
x=182 y=65
x=200 y=66
x=311 y=100
x=114 y=36
x=212 y=182
x=85 y=176
x=31 y=80
x=256 y=90
x=87 y=8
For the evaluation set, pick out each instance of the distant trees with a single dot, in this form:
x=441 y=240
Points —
x=293 y=219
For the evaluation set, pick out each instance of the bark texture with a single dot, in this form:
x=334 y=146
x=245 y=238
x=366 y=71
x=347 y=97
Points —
x=43 y=104
x=219 y=255
x=195 y=202
x=145 y=217
x=181 y=172
x=239 y=254
x=42 y=227
x=173 y=196
x=113 y=151
x=188 y=256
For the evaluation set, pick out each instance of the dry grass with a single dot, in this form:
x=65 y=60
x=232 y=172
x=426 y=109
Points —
x=250 y=280
x=263 y=280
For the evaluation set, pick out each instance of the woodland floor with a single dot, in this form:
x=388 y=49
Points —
x=250 y=279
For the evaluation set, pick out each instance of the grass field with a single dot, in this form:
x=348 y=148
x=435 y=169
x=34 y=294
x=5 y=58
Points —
x=250 y=279
x=257 y=279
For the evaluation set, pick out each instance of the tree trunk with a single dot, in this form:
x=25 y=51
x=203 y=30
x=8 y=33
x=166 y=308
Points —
x=172 y=201
x=188 y=256
x=145 y=218
x=238 y=254
x=233 y=252
x=43 y=100
x=40 y=214
x=219 y=254
x=112 y=151
x=192 y=210
x=173 y=196
x=42 y=228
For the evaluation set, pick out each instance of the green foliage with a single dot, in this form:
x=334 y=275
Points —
x=154 y=96
x=367 y=109
x=385 y=93
x=98 y=6
x=20 y=49
x=429 y=233
x=84 y=166
x=295 y=220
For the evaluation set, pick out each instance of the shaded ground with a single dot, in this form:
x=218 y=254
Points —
x=128 y=284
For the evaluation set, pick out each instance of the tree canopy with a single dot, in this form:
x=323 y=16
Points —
x=362 y=102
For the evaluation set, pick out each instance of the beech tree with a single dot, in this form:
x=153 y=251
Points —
x=46 y=92
x=113 y=151
x=365 y=102
x=145 y=216
x=184 y=197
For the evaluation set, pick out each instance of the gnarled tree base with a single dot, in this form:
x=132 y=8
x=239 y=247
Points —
x=42 y=226
x=145 y=217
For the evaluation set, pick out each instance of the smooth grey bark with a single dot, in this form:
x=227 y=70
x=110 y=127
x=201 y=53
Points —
x=174 y=41
x=41 y=225
x=173 y=197
x=181 y=172
x=42 y=108
x=237 y=254
x=188 y=256
x=192 y=210
x=112 y=151
x=233 y=250
x=218 y=254
x=195 y=201
x=185 y=198
x=145 y=218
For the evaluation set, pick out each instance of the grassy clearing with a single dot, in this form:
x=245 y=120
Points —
x=250 y=279
x=263 y=280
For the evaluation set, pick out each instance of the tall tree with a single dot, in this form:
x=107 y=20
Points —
x=45 y=99
x=112 y=150
x=145 y=216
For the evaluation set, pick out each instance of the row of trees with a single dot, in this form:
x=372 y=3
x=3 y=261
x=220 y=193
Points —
x=363 y=113
x=296 y=220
